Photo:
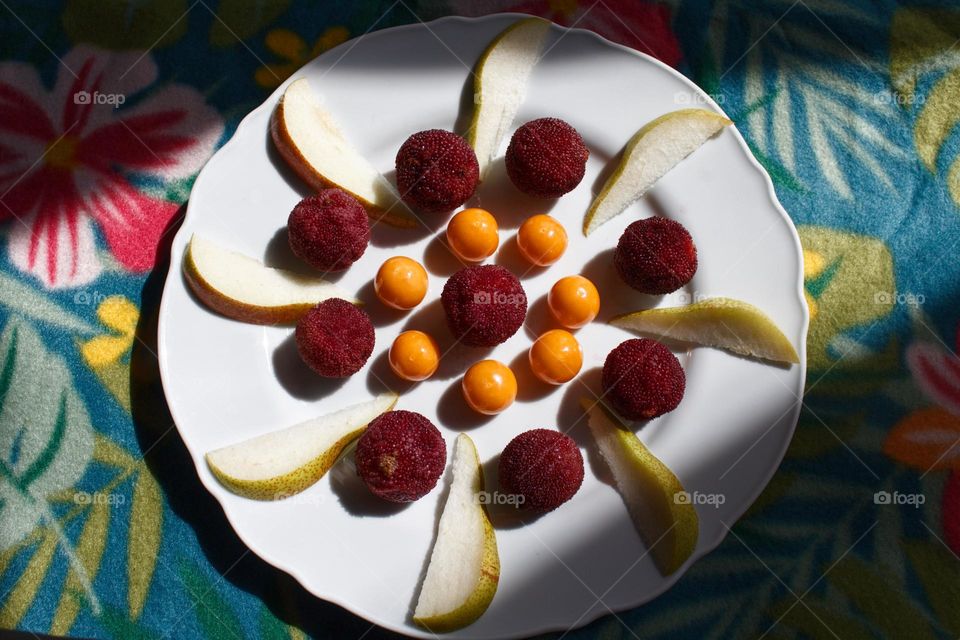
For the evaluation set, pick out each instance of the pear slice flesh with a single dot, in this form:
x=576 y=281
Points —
x=655 y=149
x=667 y=523
x=312 y=144
x=282 y=463
x=242 y=288
x=726 y=323
x=500 y=85
x=464 y=566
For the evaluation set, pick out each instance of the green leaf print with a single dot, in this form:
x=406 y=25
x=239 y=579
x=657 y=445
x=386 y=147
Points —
x=46 y=442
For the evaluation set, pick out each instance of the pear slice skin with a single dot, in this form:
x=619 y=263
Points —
x=668 y=527
x=282 y=463
x=725 y=323
x=242 y=288
x=655 y=149
x=312 y=144
x=498 y=92
x=460 y=583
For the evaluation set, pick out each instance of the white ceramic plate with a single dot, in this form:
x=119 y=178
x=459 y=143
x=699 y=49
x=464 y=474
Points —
x=226 y=381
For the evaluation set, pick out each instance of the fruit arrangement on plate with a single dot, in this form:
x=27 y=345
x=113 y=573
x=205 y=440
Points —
x=399 y=454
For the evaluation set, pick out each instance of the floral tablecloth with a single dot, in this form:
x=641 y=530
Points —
x=109 y=108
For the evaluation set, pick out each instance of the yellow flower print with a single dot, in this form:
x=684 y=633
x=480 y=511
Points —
x=813 y=265
x=295 y=52
x=107 y=354
x=845 y=276
x=120 y=315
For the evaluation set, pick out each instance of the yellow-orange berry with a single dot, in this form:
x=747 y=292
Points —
x=574 y=301
x=489 y=387
x=556 y=357
x=401 y=282
x=473 y=234
x=541 y=240
x=414 y=355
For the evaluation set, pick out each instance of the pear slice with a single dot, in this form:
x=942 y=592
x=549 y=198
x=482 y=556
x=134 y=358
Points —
x=282 y=463
x=500 y=85
x=242 y=288
x=725 y=323
x=656 y=500
x=464 y=566
x=658 y=147
x=310 y=141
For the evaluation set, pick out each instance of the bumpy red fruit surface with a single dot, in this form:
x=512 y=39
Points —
x=485 y=305
x=656 y=255
x=401 y=456
x=335 y=338
x=328 y=230
x=437 y=171
x=546 y=158
x=642 y=379
x=543 y=466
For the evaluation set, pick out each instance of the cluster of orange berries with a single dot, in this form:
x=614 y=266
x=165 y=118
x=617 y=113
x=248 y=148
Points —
x=489 y=386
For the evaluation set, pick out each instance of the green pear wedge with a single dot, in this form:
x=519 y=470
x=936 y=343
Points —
x=242 y=288
x=282 y=463
x=655 y=498
x=655 y=149
x=464 y=566
x=312 y=144
x=725 y=323
x=500 y=85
